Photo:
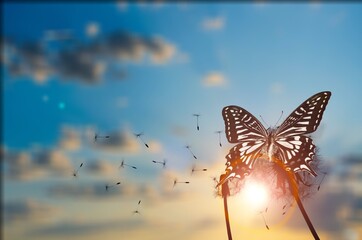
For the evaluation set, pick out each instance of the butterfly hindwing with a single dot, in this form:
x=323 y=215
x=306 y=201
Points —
x=296 y=152
x=305 y=118
x=242 y=126
x=241 y=157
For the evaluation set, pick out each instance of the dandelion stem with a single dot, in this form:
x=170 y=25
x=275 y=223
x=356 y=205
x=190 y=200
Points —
x=225 y=194
x=294 y=189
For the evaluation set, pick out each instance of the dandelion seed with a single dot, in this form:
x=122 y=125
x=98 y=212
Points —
x=138 y=135
x=219 y=133
x=163 y=163
x=96 y=137
x=75 y=172
x=194 y=169
x=123 y=164
x=197 y=121
x=176 y=182
x=111 y=186
x=189 y=148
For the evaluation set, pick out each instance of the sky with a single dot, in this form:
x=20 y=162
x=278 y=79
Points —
x=70 y=71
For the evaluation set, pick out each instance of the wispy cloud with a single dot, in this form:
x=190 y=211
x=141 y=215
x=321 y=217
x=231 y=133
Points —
x=214 y=79
x=212 y=24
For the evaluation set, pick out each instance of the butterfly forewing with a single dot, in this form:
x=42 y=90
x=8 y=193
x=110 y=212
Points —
x=305 y=118
x=242 y=126
x=296 y=152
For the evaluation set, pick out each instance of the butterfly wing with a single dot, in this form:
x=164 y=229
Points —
x=243 y=128
x=295 y=150
x=240 y=160
x=240 y=125
x=305 y=118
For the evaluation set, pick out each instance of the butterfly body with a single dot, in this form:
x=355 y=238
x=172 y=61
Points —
x=287 y=145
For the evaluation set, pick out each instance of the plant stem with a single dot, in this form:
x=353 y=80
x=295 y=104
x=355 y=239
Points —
x=295 y=193
x=225 y=194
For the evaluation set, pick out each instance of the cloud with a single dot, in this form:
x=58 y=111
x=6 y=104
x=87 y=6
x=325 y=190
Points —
x=23 y=166
x=155 y=146
x=94 y=191
x=54 y=160
x=212 y=24
x=119 y=141
x=214 y=79
x=20 y=166
x=30 y=59
x=28 y=210
x=101 y=167
x=86 y=62
x=71 y=228
x=70 y=139
x=80 y=64
x=125 y=46
x=92 y=29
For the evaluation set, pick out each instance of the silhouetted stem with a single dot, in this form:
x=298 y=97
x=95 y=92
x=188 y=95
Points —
x=225 y=194
x=294 y=189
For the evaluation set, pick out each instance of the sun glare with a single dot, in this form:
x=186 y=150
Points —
x=255 y=194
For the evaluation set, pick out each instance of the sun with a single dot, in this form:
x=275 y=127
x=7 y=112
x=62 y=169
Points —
x=256 y=194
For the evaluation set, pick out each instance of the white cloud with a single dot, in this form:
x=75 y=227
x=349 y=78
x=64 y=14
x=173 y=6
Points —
x=212 y=24
x=214 y=79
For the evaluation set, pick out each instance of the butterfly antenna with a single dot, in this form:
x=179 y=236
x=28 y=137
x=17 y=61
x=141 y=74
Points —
x=279 y=118
x=262 y=119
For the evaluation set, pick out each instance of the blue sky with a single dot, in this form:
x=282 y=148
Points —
x=148 y=68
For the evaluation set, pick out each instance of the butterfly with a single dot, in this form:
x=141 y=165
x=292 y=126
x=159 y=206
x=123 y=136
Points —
x=287 y=143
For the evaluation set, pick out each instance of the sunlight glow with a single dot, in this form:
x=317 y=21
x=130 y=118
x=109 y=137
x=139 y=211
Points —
x=255 y=194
